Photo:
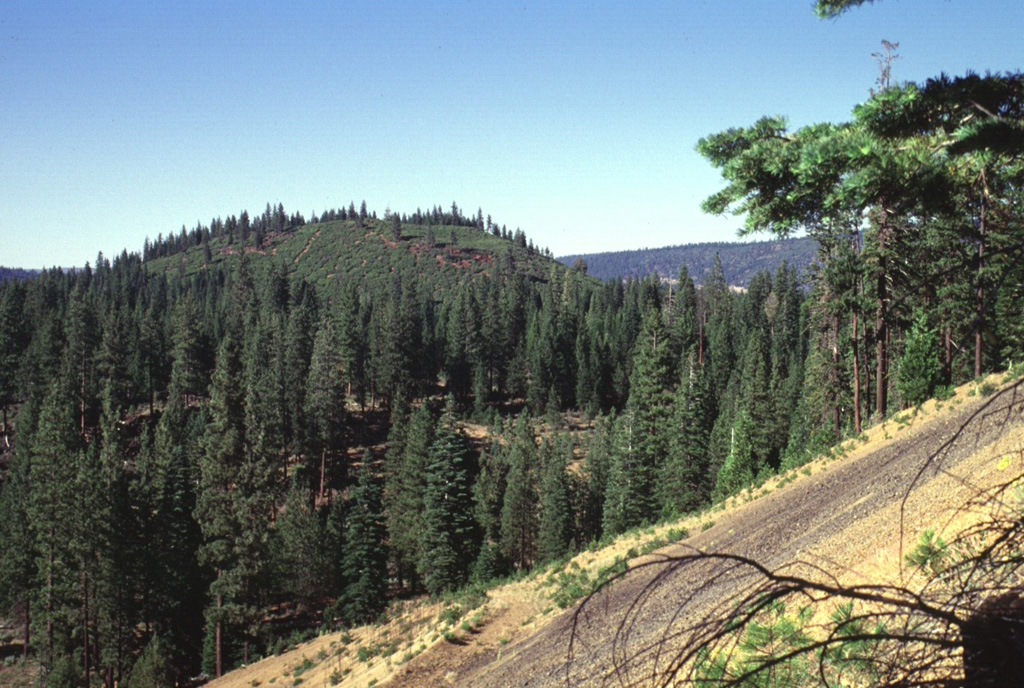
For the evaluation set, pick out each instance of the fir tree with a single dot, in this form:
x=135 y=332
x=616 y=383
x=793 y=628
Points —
x=918 y=367
x=519 y=518
x=300 y=557
x=187 y=373
x=54 y=519
x=590 y=502
x=151 y=669
x=17 y=542
x=740 y=467
x=555 y=517
x=448 y=530
x=683 y=483
x=489 y=491
x=625 y=506
x=365 y=560
x=408 y=458
x=218 y=504
x=324 y=407
x=644 y=439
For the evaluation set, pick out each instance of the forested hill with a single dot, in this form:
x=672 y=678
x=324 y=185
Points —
x=267 y=426
x=740 y=260
x=436 y=250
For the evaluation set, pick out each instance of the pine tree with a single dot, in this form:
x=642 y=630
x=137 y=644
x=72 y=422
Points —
x=448 y=531
x=741 y=466
x=409 y=455
x=644 y=440
x=325 y=407
x=555 y=517
x=918 y=369
x=17 y=542
x=301 y=563
x=365 y=560
x=684 y=483
x=519 y=517
x=55 y=449
x=218 y=505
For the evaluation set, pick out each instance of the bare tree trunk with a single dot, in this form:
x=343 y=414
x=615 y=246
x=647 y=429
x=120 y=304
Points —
x=836 y=417
x=49 y=601
x=881 y=326
x=28 y=629
x=217 y=634
x=86 y=665
x=979 y=304
x=947 y=366
x=856 y=378
x=700 y=339
x=323 y=471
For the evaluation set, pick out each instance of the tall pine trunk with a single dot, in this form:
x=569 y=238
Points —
x=28 y=629
x=881 y=326
x=856 y=378
x=217 y=634
x=86 y=656
x=979 y=304
x=836 y=415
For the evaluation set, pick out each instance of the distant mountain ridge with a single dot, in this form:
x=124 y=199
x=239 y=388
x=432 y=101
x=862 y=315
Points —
x=740 y=260
x=16 y=274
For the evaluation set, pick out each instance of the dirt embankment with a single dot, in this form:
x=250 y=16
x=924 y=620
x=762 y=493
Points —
x=853 y=518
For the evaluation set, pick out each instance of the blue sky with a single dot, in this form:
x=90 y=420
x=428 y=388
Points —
x=574 y=121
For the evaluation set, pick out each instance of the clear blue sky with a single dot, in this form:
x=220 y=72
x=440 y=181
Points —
x=574 y=121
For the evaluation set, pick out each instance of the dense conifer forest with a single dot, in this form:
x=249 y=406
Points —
x=268 y=423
